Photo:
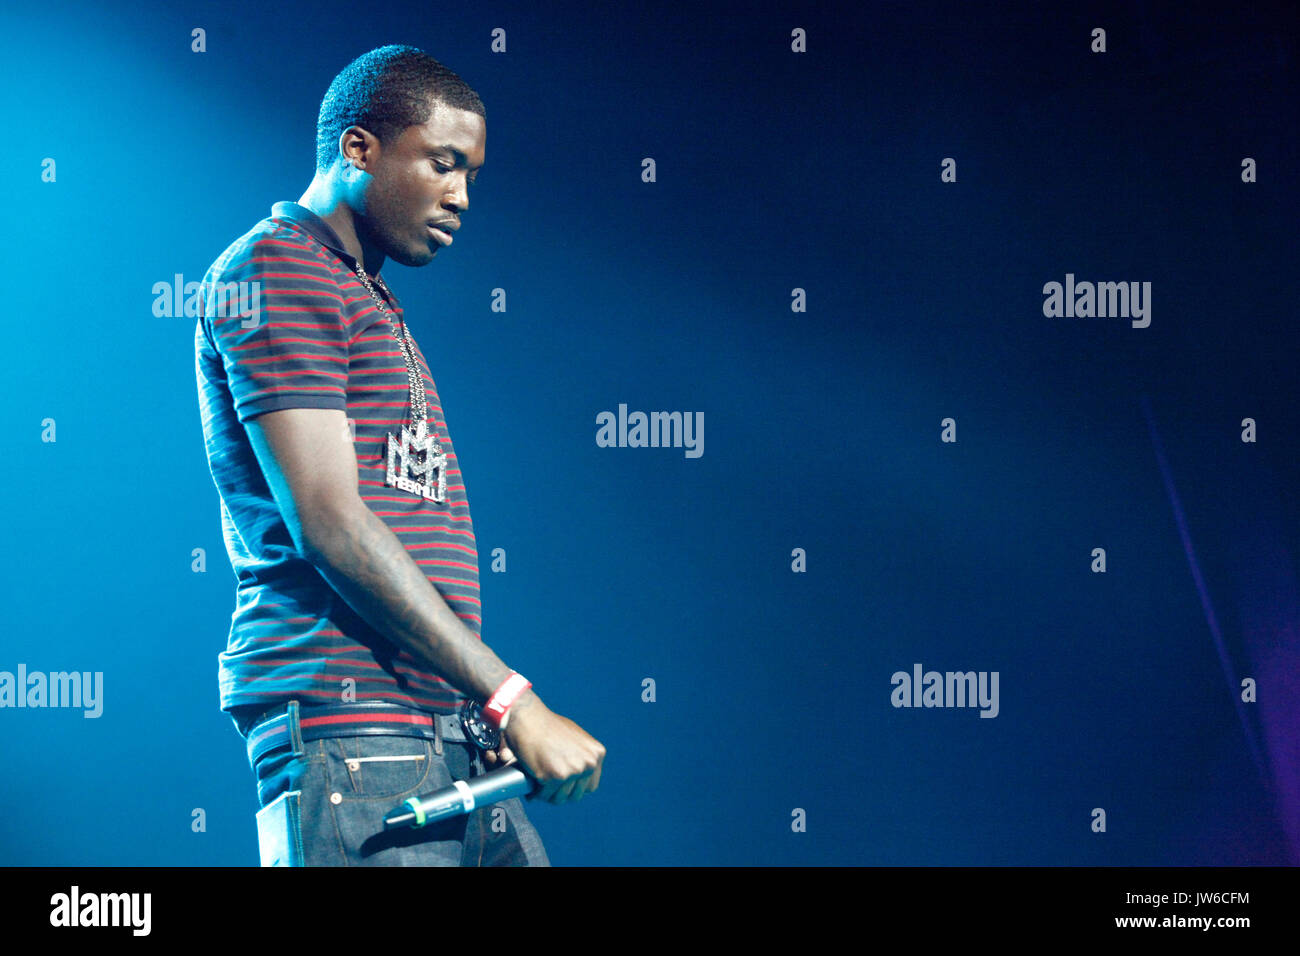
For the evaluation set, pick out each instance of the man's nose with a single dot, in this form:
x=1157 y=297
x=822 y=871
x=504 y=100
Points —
x=458 y=199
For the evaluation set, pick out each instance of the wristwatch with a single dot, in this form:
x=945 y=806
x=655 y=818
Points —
x=476 y=727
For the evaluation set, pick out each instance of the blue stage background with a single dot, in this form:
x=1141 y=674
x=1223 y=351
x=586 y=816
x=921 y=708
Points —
x=775 y=171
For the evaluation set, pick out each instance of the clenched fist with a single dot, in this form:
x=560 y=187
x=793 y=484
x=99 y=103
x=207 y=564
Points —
x=556 y=752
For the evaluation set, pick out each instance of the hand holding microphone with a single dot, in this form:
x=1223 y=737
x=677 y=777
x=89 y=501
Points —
x=542 y=755
x=563 y=758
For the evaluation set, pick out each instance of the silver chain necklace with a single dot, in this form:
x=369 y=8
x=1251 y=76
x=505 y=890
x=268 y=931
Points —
x=415 y=461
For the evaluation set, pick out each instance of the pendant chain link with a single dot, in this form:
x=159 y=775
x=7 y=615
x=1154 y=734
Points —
x=419 y=404
x=416 y=462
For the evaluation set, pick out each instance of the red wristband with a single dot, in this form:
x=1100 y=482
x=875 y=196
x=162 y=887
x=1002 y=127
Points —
x=497 y=710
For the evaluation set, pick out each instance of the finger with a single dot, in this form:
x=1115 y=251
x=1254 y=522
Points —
x=582 y=789
x=541 y=788
x=490 y=757
x=547 y=790
x=561 y=795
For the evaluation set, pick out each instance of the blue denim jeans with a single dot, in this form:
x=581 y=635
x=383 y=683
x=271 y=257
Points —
x=349 y=783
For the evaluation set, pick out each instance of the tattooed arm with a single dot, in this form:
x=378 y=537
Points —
x=308 y=459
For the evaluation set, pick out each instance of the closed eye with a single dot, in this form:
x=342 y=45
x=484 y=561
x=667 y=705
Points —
x=444 y=168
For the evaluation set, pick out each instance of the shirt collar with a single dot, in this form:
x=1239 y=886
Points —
x=316 y=227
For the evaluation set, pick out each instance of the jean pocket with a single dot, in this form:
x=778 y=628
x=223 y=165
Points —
x=279 y=831
x=381 y=766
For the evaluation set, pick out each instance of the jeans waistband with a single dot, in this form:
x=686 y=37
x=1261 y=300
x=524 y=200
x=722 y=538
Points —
x=302 y=722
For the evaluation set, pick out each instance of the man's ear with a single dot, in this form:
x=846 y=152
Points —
x=358 y=146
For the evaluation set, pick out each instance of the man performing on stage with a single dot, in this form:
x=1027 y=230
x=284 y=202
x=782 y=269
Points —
x=354 y=654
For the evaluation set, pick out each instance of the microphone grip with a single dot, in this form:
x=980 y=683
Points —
x=460 y=798
x=501 y=784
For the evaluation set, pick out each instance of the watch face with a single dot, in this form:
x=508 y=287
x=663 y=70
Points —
x=477 y=729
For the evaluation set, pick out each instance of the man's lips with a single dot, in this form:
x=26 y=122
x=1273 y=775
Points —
x=442 y=230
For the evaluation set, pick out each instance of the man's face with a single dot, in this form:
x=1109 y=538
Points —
x=421 y=178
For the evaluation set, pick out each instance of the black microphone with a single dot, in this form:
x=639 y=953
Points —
x=461 y=797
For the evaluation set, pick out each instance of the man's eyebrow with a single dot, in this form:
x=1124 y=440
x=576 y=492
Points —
x=461 y=158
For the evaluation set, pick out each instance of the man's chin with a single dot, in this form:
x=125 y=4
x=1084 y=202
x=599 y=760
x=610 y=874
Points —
x=414 y=257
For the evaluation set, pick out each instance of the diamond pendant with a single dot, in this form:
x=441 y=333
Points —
x=416 y=465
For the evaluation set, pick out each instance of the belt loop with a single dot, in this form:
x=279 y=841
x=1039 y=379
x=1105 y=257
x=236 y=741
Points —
x=295 y=729
x=437 y=734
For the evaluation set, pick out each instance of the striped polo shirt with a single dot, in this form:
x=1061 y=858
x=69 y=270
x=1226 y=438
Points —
x=287 y=324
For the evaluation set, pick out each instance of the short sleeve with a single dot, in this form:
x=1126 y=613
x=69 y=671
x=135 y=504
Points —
x=276 y=319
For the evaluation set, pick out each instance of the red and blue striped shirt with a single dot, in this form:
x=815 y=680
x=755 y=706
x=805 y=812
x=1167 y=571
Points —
x=302 y=332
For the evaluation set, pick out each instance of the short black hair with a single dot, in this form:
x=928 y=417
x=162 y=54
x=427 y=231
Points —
x=385 y=91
